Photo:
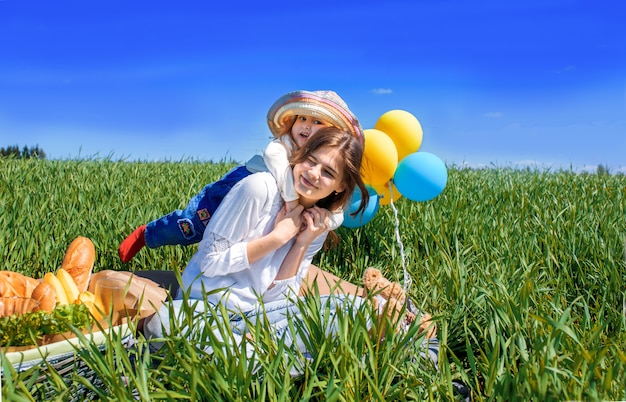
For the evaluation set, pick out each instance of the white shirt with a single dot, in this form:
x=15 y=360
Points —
x=276 y=157
x=247 y=212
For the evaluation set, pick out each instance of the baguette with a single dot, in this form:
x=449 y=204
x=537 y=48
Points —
x=79 y=260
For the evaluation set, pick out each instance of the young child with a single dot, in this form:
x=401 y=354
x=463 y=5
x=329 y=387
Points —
x=292 y=119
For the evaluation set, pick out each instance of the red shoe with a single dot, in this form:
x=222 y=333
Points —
x=132 y=244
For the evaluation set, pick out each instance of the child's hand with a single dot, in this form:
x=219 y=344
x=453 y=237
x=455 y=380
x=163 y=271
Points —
x=290 y=205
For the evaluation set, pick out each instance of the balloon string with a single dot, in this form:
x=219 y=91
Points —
x=407 y=278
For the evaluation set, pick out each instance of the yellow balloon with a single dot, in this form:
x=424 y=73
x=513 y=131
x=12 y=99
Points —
x=403 y=128
x=385 y=196
x=380 y=157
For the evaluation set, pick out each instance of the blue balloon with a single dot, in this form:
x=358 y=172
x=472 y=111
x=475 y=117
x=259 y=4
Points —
x=364 y=216
x=420 y=176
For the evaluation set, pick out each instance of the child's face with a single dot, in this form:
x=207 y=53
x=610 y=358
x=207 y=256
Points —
x=304 y=127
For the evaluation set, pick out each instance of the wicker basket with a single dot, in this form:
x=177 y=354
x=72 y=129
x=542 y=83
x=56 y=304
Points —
x=64 y=358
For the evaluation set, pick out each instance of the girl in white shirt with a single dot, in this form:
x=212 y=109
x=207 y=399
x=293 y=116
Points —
x=254 y=252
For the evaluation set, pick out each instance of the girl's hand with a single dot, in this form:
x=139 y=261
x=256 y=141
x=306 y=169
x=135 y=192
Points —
x=288 y=223
x=316 y=222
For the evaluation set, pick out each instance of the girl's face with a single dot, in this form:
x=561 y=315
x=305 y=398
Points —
x=318 y=176
x=304 y=127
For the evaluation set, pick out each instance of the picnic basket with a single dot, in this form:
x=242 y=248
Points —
x=63 y=359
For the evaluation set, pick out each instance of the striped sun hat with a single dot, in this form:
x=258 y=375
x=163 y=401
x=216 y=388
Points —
x=325 y=105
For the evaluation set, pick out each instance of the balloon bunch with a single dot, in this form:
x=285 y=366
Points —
x=393 y=168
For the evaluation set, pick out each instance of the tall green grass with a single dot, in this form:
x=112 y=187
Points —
x=523 y=271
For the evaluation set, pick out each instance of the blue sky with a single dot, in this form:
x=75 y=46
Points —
x=491 y=82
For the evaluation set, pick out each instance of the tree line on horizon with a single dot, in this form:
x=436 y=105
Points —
x=36 y=152
x=25 y=152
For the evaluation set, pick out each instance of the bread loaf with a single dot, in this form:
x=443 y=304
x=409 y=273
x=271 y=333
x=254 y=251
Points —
x=142 y=294
x=78 y=261
x=16 y=284
x=45 y=294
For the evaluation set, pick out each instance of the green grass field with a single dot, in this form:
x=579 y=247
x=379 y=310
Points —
x=524 y=272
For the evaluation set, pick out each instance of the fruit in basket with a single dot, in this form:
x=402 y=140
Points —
x=89 y=300
x=70 y=287
x=58 y=287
